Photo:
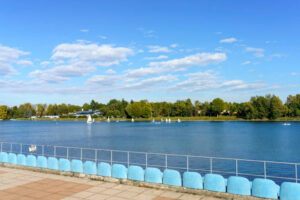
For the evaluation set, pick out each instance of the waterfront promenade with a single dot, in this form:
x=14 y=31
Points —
x=19 y=184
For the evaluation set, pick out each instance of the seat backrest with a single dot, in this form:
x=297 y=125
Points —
x=238 y=185
x=192 y=180
x=153 y=175
x=172 y=177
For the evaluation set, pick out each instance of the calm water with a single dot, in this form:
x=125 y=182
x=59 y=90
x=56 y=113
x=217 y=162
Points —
x=248 y=140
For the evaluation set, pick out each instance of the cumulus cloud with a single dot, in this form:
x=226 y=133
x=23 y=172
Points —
x=180 y=64
x=45 y=63
x=247 y=62
x=148 y=84
x=228 y=40
x=158 y=49
x=104 y=55
x=258 y=52
x=102 y=37
x=293 y=74
x=174 y=45
x=110 y=71
x=8 y=57
x=247 y=86
x=157 y=57
x=84 y=30
x=26 y=63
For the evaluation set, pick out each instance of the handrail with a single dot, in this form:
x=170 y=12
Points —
x=165 y=164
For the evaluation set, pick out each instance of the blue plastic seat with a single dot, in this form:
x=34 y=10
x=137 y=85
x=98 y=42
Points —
x=89 y=167
x=153 y=175
x=192 y=180
x=290 y=191
x=238 y=185
x=21 y=159
x=3 y=157
x=31 y=161
x=265 y=188
x=12 y=158
x=64 y=165
x=136 y=173
x=119 y=171
x=104 y=169
x=77 y=166
x=42 y=162
x=214 y=182
x=172 y=177
x=52 y=163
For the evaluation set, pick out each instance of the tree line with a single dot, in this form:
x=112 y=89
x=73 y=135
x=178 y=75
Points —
x=259 y=107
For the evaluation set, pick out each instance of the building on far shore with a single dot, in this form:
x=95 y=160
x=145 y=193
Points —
x=51 y=116
x=86 y=113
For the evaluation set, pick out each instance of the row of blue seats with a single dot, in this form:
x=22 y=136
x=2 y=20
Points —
x=235 y=184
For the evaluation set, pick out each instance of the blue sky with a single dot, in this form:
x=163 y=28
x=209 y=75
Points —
x=73 y=51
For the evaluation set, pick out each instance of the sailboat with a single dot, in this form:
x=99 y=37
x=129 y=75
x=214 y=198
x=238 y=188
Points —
x=153 y=120
x=178 y=120
x=89 y=120
x=108 y=120
x=169 y=120
x=132 y=120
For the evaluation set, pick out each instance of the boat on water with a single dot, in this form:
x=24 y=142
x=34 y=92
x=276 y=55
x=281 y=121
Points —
x=108 y=120
x=178 y=120
x=170 y=120
x=89 y=120
x=153 y=120
x=286 y=124
x=132 y=120
x=32 y=148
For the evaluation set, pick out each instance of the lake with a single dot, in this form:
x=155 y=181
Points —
x=248 y=140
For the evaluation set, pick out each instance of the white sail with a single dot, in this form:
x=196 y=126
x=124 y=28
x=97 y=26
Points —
x=89 y=120
x=132 y=120
x=178 y=120
x=108 y=120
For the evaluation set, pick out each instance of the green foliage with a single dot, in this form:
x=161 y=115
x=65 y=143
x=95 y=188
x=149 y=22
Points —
x=217 y=106
x=259 y=107
x=3 y=112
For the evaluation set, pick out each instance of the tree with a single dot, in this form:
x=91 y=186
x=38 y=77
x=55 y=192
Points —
x=26 y=110
x=217 y=106
x=134 y=110
x=247 y=111
x=262 y=105
x=86 y=107
x=276 y=108
x=40 y=109
x=3 y=112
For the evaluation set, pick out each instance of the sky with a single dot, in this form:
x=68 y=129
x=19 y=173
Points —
x=74 y=51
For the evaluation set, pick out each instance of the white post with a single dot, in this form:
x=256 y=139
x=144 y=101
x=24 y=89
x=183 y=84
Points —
x=210 y=164
x=296 y=172
x=146 y=159
x=166 y=159
x=187 y=163
x=265 y=170
x=236 y=168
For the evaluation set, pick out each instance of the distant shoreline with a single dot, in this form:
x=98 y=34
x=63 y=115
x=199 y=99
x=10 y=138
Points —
x=174 y=119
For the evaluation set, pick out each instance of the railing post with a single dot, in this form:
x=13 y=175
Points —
x=1 y=146
x=43 y=150
x=54 y=152
x=166 y=160
x=68 y=153
x=187 y=163
x=21 y=148
x=111 y=157
x=81 y=154
x=236 y=167
x=146 y=159
x=296 y=172
x=127 y=158
x=96 y=156
x=265 y=169
x=210 y=164
x=10 y=147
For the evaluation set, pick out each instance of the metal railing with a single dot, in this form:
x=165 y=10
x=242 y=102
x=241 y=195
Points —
x=278 y=171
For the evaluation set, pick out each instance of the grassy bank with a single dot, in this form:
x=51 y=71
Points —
x=200 y=118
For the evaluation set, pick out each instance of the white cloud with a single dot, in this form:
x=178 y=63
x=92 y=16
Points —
x=247 y=62
x=45 y=63
x=103 y=80
x=148 y=84
x=26 y=63
x=110 y=71
x=247 y=86
x=258 y=52
x=180 y=64
x=228 y=40
x=102 y=37
x=158 y=49
x=147 y=33
x=61 y=73
x=84 y=30
x=104 y=55
x=293 y=74
x=252 y=49
x=157 y=57
x=276 y=55
x=174 y=45
x=140 y=51
x=8 y=57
